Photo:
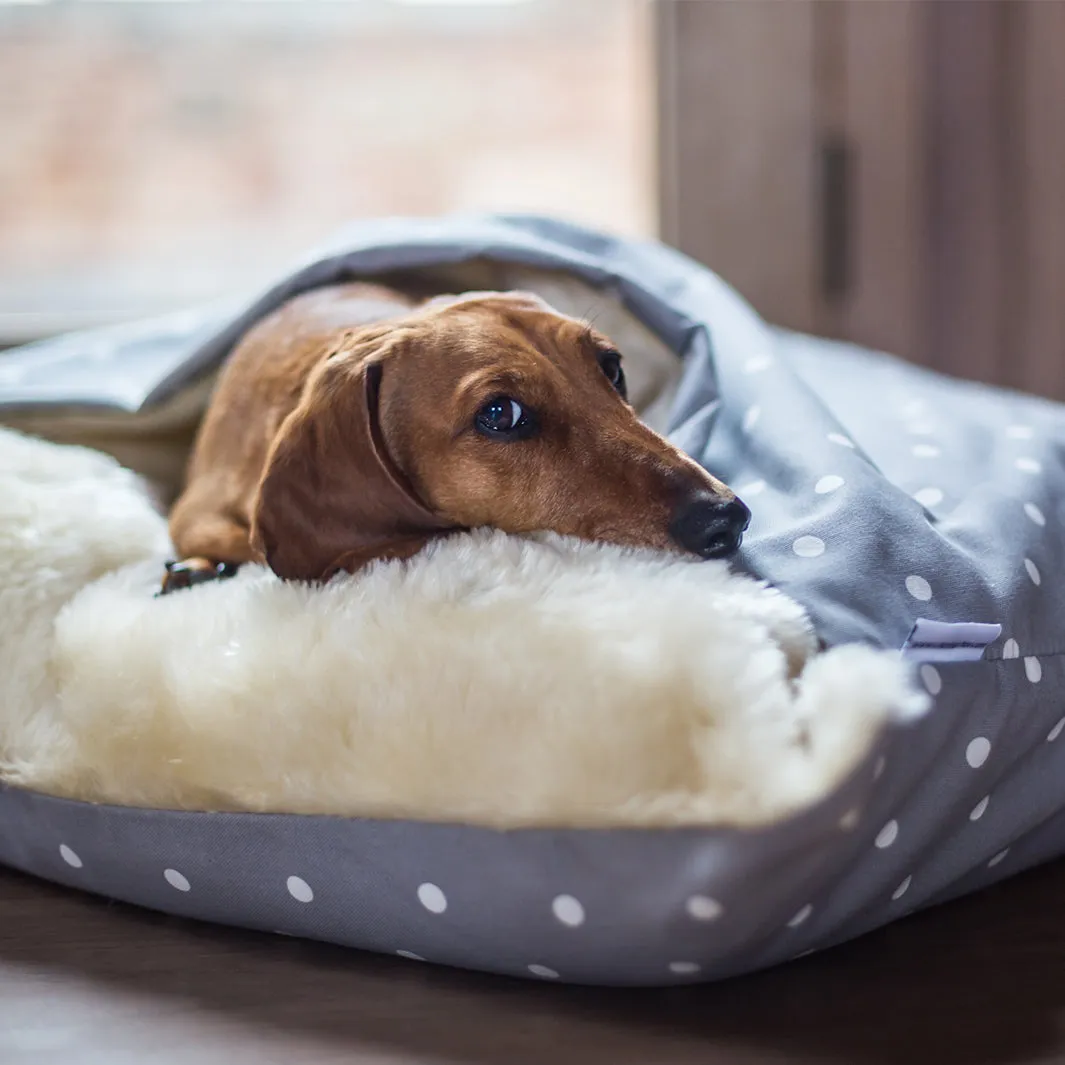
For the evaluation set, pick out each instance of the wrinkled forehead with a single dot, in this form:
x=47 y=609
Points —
x=510 y=323
x=516 y=299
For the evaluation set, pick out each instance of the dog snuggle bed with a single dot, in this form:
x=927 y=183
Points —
x=533 y=756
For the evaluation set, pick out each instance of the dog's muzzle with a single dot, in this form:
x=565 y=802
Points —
x=709 y=526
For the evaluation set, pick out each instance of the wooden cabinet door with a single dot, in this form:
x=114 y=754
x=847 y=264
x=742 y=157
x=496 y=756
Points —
x=886 y=171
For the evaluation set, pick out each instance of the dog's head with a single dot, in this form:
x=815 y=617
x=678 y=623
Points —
x=489 y=409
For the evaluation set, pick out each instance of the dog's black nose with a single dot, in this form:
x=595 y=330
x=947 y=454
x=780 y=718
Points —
x=710 y=527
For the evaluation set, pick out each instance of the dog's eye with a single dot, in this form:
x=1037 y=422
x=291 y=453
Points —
x=504 y=417
x=610 y=364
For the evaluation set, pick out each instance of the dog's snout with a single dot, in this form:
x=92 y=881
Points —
x=710 y=527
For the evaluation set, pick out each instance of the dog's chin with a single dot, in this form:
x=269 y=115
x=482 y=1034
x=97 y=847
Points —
x=716 y=549
x=648 y=544
x=719 y=548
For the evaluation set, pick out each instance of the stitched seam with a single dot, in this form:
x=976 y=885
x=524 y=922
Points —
x=1022 y=657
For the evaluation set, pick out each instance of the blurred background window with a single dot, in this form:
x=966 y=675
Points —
x=158 y=153
x=890 y=172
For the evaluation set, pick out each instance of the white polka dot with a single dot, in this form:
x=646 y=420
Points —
x=801 y=917
x=979 y=809
x=878 y=769
x=1035 y=514
x=1056 y=731
x=808 y=547
x=849 y=821
x=70 y=857
x=757 y=364
x=839 y=438
x=1011 y=649
x=543 y=971
x=1033 y=669
x=704 y=908
x=755 y=488
x=901 y=889
x=410 y=955
x=750 y=419
x=931 y=679
x=1020 y=432
x=1027 y=465
x=176 y=880
x=912 y=408
x=684 y=968
x=299 y=889
x=977 y=751
x=1033 y=572
x=432 y=898
x=887 y=835
x=831 y=483
x=925 y=451
x=929 y=497
x=998 y=858
x=568 y=910
x=919 y=588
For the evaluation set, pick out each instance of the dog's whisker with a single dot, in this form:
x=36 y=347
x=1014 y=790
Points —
x=595 y=310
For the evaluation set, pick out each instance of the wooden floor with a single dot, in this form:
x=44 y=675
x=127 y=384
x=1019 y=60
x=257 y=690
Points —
x=83 y=981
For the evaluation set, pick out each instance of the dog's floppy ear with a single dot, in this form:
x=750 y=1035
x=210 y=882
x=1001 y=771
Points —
x=331 y=497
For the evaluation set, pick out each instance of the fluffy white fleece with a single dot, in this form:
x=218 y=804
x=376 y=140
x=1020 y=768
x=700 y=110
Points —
x=492 y=679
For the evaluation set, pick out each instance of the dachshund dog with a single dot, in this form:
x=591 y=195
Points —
x=354 y=424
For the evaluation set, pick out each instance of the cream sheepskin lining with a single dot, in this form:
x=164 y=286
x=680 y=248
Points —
x=492 y=680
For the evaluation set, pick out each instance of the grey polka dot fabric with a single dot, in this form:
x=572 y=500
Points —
x=882 y=495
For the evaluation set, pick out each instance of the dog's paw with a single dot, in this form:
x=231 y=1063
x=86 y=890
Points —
x=192 y=571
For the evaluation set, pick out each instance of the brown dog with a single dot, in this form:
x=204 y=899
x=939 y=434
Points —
x=353 y=425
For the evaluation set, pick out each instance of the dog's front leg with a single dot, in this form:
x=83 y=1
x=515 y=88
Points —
x=189 y=572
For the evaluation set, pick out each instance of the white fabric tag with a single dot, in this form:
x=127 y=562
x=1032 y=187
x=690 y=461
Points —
x=943 y=641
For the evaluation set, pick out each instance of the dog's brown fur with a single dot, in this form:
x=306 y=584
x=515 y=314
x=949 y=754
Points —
x=342 y=430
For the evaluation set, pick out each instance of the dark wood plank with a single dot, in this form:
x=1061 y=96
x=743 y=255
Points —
x=883 y=57
x=738 y=175
x=1038 y=333
x=965 y=124
x=84 y=982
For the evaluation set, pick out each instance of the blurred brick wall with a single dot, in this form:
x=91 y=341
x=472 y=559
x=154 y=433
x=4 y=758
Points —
x=156 y=154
